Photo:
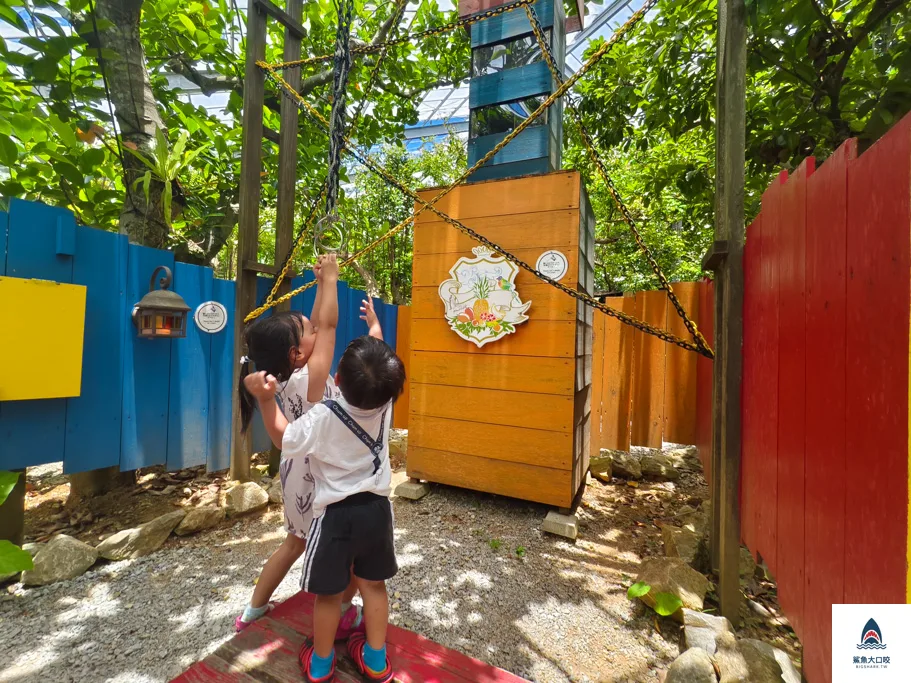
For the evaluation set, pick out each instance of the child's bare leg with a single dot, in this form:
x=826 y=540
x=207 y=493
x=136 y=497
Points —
x=376 y=611
x=276 y=569
x=326 y=615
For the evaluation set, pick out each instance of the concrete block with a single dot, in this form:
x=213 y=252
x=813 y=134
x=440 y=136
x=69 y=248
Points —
x=561 y=525
x=412 y=490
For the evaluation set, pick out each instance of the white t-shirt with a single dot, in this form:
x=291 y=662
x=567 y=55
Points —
x=292 y=397
x=341 y=463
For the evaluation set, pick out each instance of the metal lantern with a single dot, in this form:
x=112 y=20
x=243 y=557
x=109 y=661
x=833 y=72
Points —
x=161 y=313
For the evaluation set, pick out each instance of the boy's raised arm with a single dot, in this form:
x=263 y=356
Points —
x=320 y=361
x=374 y=329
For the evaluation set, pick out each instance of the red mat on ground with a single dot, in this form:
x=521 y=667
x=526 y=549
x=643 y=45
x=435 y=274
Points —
x=267 y=651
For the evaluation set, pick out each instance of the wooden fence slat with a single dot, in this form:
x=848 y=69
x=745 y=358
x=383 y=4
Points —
x=750 y=498
x=221 y=386
x=879 y=263
x=792 y=394
x=403 y=349
x=93 y=420
x=146 y=372
x=33 y=432
x=680 y=371
x=188 y=396
x=616 y=391
x=648 y=372
x=766 y=480
x=826 y=466
x=598 y=381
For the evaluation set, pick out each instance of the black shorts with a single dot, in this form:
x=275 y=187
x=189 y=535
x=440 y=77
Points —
x=354 y=532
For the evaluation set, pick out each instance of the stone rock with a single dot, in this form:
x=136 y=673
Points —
x=752 y=661
x=275 y=492
x=693 y=666
x=244 y=498
x=32 y=549
x=701 y=630
x=686 y=544
x=659 y=467
x=412 y=490
x=130 y=544
x=561 y=525
x=747 y=564
x=200 y=518
x=602 y=466
x=625 y=465
x=673 y=575
x=63 y=557
x=398 y=444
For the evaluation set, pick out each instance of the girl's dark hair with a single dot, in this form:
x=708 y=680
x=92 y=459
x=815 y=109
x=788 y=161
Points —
x=370 y=374
x=268 y=342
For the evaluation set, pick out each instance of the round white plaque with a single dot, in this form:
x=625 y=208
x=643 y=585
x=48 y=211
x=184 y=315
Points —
x=553 y=264
x=211 y=317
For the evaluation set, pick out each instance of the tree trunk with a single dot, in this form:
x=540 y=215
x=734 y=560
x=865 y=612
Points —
x=137 y=118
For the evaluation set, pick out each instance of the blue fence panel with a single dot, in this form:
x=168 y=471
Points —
x=146 y=372
x=303 y=302
x=188 y=398
x=93 y=420
x=221 y=381
x=33 y=432
x=341 y=332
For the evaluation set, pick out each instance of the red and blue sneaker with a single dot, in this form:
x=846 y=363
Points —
x=352 y=622
x=305 y=657
x=356 y=645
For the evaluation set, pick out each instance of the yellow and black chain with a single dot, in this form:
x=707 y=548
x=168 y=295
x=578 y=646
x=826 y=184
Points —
x=427 y=33
x=287 y=91
x=596 y=159
x=308 y=223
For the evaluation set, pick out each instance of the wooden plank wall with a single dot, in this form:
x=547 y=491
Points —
x=503 y=418
x=648 y=387
x=825 y=458
x=143 y=402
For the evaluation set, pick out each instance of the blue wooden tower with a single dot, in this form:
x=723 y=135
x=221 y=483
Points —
x=509 y=80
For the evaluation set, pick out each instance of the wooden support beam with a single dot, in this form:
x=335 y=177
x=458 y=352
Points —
x=270 y=135
x=264 y=268
x=714 y=256
x=248 y=221
x=287 y=169
x=730 y=148
x=281 y=16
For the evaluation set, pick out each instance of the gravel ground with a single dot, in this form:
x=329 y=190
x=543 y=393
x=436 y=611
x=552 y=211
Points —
x=476 y=575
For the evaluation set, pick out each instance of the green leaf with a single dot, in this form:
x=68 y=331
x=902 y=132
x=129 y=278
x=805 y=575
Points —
x=9 y=153
x=637 y=590
x=91 y=158
x=70 y=172
x=187 y=22
x=142 y=158
x=14 y=559
x=166 y=203
x=51 y=24
x=7 y=484
x=10 y=15
x=667 y=604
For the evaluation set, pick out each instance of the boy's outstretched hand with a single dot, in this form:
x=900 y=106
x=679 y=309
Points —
x=368 y=315
x=261 y=386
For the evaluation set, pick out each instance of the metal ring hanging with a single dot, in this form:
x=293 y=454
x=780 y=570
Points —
x=325 y=226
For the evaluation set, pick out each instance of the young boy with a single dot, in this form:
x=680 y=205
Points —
x=347 y=442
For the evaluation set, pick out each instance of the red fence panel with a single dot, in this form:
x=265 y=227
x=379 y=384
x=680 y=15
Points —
x=825 y=465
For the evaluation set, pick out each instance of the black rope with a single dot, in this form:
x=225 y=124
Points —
x=339 y=97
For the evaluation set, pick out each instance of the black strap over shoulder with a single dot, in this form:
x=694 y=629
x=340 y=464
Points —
x=374 y=445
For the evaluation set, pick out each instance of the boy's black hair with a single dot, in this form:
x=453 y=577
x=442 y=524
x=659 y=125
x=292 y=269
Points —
x=370 y=374
x=269 y=341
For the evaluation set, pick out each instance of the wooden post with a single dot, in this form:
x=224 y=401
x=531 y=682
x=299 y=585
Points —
x=248 y=220
x=729 y=227
x=287 y=170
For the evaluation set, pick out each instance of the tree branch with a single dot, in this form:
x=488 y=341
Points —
x=387 y=25
x=207 y=84
x=826 y=19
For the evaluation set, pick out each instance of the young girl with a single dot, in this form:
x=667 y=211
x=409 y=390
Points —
x=281 y=345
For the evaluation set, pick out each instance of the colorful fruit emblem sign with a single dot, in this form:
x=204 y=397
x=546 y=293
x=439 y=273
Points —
x=482 y=304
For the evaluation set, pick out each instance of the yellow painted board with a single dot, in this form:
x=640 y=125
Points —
x=495 y=441
x=529 y=194
x=514 y=408
x=517 y=480
x=41 y=339
x=547 y=303
x=547 y=338
x=543 y=230
x=509 y=373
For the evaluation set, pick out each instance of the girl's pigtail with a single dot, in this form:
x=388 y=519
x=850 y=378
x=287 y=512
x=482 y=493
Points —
x=247 y=402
